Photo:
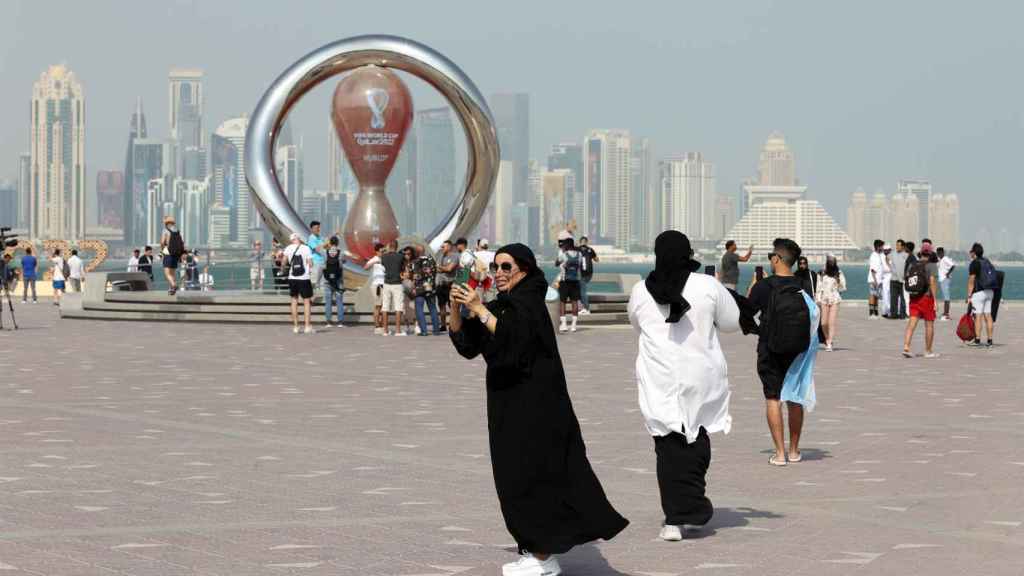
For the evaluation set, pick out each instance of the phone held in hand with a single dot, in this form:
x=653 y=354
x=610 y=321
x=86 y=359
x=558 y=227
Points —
x=462 y=275
x=759 y=272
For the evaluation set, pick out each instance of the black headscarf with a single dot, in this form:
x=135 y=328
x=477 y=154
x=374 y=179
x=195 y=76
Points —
x=672 y=267
x=527 y=297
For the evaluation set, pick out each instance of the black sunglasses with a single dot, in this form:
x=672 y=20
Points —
x=505 y=266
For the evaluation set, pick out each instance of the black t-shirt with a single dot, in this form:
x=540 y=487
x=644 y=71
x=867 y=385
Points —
x=975 y=270
x=761 y=296
x=393 y=263
x=588 y=261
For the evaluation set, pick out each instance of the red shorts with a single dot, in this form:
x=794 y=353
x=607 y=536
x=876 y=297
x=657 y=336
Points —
x=923 y=307
x=474 y=283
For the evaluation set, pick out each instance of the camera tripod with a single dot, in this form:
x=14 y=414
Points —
x=6 y=291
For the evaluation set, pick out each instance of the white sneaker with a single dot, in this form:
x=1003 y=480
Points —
x=528 y=565
x=828 y=347
x=328 y=325
x=584 y=312
x=671 y=533
x=310 y=330
x=378 y=331
x=295 y=329
x=24 y=301
x=416 y=329
x=563 y=328
x=400 y=333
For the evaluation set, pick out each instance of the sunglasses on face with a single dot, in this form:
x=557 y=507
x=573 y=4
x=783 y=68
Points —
x=505 y=266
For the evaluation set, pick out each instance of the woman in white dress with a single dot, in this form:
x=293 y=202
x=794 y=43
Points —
x=682 y=375
x=828 y=295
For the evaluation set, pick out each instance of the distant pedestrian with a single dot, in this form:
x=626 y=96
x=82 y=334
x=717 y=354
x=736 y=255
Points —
x=729 y=274
x=886 y=303
x=316 y=244
x=76 y=269
x=376 y=269
x=191 y=272
x=922 y=285
x=482 y=279
x=60 y=273
x=393 y=300
x=570 y=265
x=172 y=246
x=447 y=269
x=898 y=299
x=982 y=281
x=133 y=262
x=876 y=268
x=808 y=280
x=29 y=273
x=256 y=269
x=424 y=277
x=299 y=259
x=682 y=376
x=146 y=262
x=587 y=273
x=549 y=496
x=206 y=279
x=409 y=291
x=786 y=348
x=831 y=285
x=334 y=282
x=946 y=267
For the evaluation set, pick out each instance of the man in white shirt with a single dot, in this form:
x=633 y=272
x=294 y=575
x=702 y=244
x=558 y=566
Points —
x=376 y=269
x=886 y=281
x=876 y=265
x=298 y=257
x=946 y=267
x=206 y=280
x=133 y=262
x=77 y=269
x=682 y=376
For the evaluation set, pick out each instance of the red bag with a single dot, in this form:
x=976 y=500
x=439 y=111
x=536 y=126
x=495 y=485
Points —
x=965 y=328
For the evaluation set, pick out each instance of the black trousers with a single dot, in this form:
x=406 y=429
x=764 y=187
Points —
x=897 y=303
x=682 y=471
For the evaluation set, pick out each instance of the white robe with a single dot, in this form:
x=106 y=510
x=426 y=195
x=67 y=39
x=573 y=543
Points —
x=680 y=368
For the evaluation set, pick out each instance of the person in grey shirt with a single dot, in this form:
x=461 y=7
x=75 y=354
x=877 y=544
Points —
x=729 y=275
x=896 y=288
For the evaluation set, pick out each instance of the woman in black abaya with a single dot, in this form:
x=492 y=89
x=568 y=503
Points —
x=550 y=498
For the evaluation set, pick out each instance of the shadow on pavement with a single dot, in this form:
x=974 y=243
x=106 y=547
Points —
x=730 y=518
x=587 y=560
x=807 y=454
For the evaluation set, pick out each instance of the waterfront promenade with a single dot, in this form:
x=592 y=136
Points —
x=170 y=449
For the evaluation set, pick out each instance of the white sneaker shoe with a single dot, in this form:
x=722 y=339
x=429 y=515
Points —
x=671 y=533
x=378 y=331
x=528 y=565
x=400 y=333
x=295 y=329
x=416 y=329
x=584 y=312
x=310 y=330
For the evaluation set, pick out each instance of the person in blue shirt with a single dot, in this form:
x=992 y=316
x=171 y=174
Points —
x=29 y=272
x=316 y=243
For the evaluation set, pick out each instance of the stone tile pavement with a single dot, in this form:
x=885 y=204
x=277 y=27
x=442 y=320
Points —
x=166 y=449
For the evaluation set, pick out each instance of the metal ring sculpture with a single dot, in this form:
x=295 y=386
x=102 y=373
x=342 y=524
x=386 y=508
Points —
x=390 y=52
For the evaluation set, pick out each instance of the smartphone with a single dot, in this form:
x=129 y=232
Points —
x=709 y=269
x=462 y=275
x=759 y=273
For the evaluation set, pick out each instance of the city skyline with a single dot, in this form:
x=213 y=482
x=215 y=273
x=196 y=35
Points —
x=828 y=129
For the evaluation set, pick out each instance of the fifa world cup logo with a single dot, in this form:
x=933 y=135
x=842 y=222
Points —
x=377 y=99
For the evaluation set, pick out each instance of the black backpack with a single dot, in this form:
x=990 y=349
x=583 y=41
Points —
x=789 y=320
x=916 y=279
x=332 y=269
x=988 y=279
x=175 y=245
x=297 y=263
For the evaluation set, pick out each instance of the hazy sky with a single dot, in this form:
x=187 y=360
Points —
x=864 y=92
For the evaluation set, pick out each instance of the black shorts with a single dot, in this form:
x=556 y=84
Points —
x=300 y=288
x=772 y=368
x=170 y=262
x=569 y=291
x=443 y=292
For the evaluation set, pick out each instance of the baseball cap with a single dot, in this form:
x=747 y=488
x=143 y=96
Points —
x=483 y=242
x=886 y=247
x=295 y=236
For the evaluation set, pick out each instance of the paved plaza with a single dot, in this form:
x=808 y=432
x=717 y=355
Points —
x=169 y=449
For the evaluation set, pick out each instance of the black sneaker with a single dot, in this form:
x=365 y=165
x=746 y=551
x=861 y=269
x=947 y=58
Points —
x=988 y=344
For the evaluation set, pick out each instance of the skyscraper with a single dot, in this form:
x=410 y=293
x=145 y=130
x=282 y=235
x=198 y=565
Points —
x=401 y=185
x=867 y=219
x=110 y=198
x=944 y=226
x=569 y=156
x=143 y=162
x=512 y=121
x=919 y=191
x=555 y=186
x=435 y=168
x=230 y=188
x=606 y=186
x=688 y=188
x=642 y=225
x=776 y=166
x=57 y=206
x=290 y=172
x=340 y=177
x=186 y=99
x=503 y=202
x=8 y=204
x=24 y=189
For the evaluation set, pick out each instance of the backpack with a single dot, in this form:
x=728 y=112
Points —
x=298 y=264
x=588 y=262
x=917 y=281
x=789 y=321
x=175 y=245
x=332 y=269
x=988 y=279
x=573 y=263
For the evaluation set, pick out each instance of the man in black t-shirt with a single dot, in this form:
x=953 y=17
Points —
x=589 y=257
x=772 y=367
x=393 y=294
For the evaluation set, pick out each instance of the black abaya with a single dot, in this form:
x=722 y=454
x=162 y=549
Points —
x=550 y=498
